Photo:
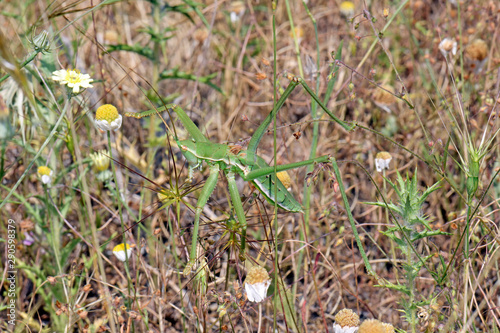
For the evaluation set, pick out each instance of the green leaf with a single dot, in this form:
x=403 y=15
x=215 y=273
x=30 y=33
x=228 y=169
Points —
x=68 y=249
x=285 y=303
x=136 y=48
x=175 y=73
x=428 y=233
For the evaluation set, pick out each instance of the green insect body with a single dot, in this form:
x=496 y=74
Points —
x=266 y=185
x=195 y=153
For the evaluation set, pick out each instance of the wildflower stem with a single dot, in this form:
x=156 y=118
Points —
x=295 y=39
x=119 y=199
x=312 y=154
x=276 y=228
x=88 y=206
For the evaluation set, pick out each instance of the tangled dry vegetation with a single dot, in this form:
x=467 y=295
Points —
x=420 y=78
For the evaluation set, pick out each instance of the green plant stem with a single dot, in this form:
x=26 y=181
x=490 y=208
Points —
x=26 y=172
x=122 y=223
x=91 y=217
x=388 y=221
x=295 y=40
x=351 y=219
x=27 y=61
x=276 y=228
x=312 y=154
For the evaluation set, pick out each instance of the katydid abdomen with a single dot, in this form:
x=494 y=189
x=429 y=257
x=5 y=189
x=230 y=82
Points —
x=266 y=185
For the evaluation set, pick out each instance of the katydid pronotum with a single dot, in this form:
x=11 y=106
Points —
x=246 y=163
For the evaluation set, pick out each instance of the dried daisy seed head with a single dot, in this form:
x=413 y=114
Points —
x=388 y=328
x=256 y=284
x=346 y=321
x=372 y=326
x=347 y=317
x=382 y=160
x=448 y=45
x=477 y=50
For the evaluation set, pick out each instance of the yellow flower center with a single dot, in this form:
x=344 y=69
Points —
x=73 y=76
x=121 y=247
x=347 y=6
x=106 y=112
x=44 y=171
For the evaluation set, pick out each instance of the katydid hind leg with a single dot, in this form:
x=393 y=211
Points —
x=238 y=208
x=206 y=192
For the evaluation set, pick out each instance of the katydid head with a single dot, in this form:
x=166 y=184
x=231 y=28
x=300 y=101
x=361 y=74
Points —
x=188 y=149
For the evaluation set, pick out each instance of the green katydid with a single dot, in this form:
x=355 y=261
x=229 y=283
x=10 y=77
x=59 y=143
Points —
x=246 y=163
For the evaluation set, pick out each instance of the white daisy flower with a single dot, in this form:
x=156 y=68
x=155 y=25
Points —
x=45 y=174
x=119 y=251
x=346 y=321
x=382 y=160
x=256 y=284
x=107 y=118
x=73 y=79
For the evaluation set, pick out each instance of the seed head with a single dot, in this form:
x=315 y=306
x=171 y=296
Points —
x=477 y=50
x=347 y=317
x=388 y=328
x=448 y=45
x=371 y=326
x=382 y=160
x=256 y=284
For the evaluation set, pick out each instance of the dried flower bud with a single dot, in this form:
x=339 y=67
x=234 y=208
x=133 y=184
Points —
x=347 y=318
x=477 y=50
x=448 y=45
x=382 y=160
x=371 y=326
x=388 y=328
x=256 y=284
x=261 y=76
